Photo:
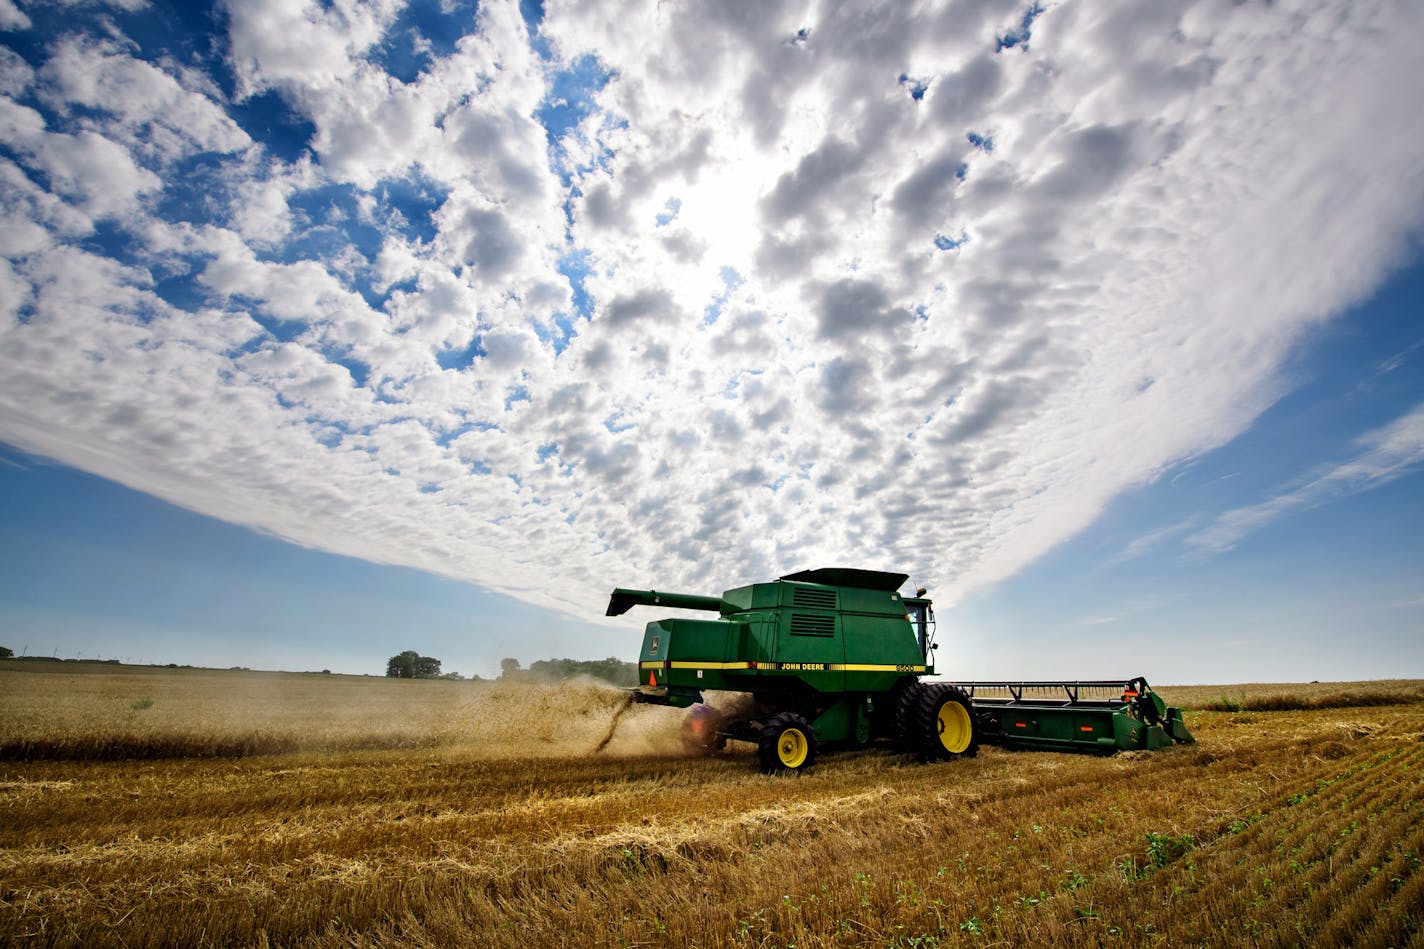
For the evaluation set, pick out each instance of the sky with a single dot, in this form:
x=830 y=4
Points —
x=333 y=329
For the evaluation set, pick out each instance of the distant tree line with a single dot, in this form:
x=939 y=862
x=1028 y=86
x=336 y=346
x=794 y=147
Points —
x=412 y=665
x=611 y=670
x=7 y=653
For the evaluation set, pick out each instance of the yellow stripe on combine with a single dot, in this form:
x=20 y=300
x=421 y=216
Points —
x=771 y=667
x=851 y=667
x=697 y=665
x=711 y=665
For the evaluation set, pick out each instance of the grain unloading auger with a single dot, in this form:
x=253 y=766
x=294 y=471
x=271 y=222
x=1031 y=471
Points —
x=837 y=656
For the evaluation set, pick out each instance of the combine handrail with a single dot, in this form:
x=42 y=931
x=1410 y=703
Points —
x=1128 y=688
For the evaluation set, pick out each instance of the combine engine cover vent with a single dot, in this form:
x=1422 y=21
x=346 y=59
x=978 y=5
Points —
x=813 y=599
x=811 y=624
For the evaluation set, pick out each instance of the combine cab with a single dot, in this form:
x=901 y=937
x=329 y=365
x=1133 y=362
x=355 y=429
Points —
x=837 y=656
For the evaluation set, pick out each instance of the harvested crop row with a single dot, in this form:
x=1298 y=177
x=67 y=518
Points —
x=449 y=845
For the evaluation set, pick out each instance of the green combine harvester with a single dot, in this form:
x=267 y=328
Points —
x=838 y=656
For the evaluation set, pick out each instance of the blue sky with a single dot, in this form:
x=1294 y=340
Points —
x=95 y=570
x=1331 y=590
x=331 y=330
x=92 y=569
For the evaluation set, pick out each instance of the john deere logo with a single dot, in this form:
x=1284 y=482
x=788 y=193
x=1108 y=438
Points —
x=653 y=649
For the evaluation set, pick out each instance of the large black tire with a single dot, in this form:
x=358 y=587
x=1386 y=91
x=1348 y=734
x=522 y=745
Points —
x=937 y=722
x=907 y=702
x=896 y=703
x=787 y=743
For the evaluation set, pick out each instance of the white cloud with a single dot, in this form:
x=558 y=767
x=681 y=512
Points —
x=1384 y=455
x=95 y=172
x=275 y=42
x=14 y=293
x=30 y=216
x=781 y=367
x=128 y=6
x=12 y=17
x=154 y=114
x=15 y=74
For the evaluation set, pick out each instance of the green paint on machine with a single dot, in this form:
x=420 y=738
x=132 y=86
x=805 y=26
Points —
x=838 y=656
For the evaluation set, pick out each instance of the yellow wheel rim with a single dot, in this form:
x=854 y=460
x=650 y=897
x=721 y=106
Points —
x=955 y=728
x=792 y=748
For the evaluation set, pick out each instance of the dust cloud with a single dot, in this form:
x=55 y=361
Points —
x=148 y=713
x=576 y=717
x=613 y=725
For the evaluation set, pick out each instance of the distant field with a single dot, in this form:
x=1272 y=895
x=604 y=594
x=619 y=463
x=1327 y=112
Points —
x=473 y=813
x=1277 y=696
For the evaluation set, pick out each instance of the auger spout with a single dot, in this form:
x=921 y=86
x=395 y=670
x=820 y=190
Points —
x=624 y=600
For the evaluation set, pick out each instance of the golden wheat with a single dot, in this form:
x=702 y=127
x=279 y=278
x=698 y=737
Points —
x=504 y=828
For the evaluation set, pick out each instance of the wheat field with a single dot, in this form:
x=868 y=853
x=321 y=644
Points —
x=186 y=807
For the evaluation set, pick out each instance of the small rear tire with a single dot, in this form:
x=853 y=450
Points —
x=702 y=731
x=787 y=743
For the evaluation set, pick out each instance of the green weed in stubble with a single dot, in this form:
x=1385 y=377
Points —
x=1161 y=851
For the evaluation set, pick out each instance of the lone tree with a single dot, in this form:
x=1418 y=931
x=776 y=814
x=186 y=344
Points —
x=412 y=665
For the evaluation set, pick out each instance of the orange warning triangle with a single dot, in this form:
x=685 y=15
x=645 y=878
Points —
x=652 y=679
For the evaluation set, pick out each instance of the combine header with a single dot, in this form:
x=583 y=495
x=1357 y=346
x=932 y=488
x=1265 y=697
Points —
x=837 y=656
